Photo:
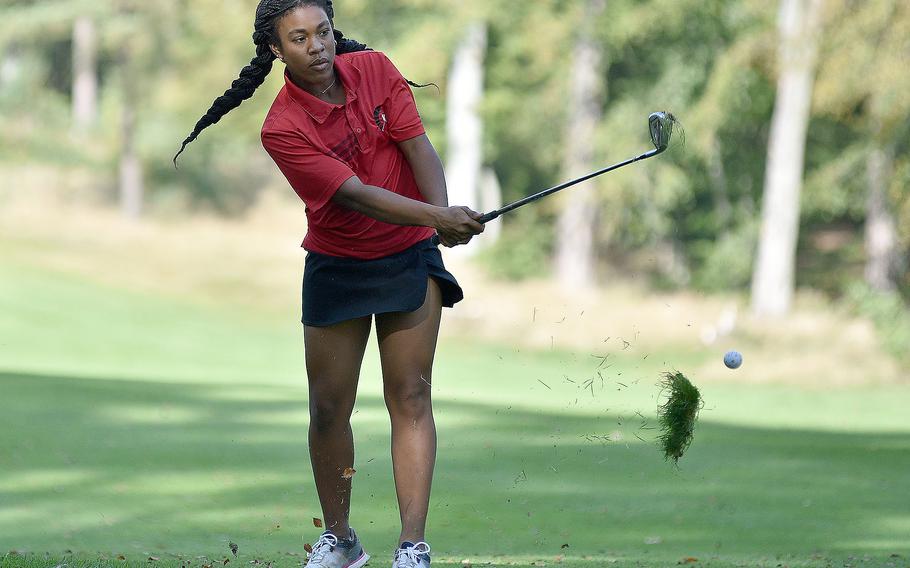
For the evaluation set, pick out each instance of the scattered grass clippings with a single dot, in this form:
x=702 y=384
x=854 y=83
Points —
x=677 y=415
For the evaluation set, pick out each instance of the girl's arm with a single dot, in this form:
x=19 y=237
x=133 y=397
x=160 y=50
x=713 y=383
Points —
x=427 y=168
x=454 y=224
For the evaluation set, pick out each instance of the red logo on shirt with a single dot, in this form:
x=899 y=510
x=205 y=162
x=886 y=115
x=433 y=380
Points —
x=379 y=118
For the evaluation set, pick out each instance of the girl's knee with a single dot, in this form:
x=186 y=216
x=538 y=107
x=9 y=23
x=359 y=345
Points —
x=328 y=413
x=412 y=401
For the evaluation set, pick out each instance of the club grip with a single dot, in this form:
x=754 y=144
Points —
x=487 y=217
x=484 y=219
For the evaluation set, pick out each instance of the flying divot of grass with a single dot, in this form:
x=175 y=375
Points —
x=677 y=415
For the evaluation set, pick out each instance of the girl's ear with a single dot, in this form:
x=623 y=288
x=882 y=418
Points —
x=276 y=52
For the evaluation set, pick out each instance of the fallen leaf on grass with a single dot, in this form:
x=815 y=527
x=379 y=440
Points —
x=688 y=560
x=226 y=560
x=566 y=545
x=348 y=473
x=154 y=558
x=308 y=548
x=317 y=523
x=233 y=548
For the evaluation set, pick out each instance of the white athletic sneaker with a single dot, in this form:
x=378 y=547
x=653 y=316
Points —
x=331 y=552
x=412 y=556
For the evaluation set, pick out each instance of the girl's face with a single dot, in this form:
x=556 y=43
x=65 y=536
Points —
x=307 y=44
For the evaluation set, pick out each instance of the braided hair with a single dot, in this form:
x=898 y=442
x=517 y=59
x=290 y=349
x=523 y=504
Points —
x=268 y=13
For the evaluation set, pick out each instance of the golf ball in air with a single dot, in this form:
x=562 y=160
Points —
x=733 y=359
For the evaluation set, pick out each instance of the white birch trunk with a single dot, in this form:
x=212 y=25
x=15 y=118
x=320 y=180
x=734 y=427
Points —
x=131 y=189
x=575 y=258
x=490 y=200
x=881 y=229
x=464 y=128
x=10 y=66
x=773 y=278
x=85 y=74
x=131 y=186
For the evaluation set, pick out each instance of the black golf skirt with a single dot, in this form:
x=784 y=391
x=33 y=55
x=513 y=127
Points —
x=336 y=289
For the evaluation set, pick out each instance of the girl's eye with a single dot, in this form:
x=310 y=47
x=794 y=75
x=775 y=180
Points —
x=324 y=33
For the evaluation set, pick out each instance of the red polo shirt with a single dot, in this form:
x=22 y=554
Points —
x=318 y=146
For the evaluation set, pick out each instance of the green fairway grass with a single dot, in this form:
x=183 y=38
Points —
x=146 y=427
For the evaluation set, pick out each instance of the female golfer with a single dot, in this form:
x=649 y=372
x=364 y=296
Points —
x=345 y=132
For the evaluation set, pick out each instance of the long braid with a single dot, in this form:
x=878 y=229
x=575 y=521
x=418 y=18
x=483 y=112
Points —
x=253 y=75
x=347 y=45
x=241 y=89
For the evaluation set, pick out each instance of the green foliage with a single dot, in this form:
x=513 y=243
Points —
x=711 y=63
x=523 y=249
x=727 y=263
x=890 y=314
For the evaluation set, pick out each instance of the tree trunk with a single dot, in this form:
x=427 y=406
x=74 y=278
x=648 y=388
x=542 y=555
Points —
x=10 y=66
x=131 y=186
x=464 y=126
x=490 y=200
x=575 y=255
x=773 y=278
x=881 y=230
x=85 y=74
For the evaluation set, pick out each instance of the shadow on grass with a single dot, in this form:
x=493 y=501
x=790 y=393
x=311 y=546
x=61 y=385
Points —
x=93 y=464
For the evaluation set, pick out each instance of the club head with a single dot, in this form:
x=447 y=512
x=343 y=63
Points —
x=661 y=126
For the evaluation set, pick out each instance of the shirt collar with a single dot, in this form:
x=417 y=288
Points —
x=317 y=108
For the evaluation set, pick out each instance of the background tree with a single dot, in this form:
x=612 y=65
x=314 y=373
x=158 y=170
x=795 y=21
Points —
x=85 y=73
x=689 y=219
x=575 y=260
x=859 y=89
x=773 y=280
x=464 y=124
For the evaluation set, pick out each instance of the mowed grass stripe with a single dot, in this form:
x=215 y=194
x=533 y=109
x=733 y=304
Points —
x=163 y=448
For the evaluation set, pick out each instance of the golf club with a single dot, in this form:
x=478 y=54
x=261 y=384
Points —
x=660 y=125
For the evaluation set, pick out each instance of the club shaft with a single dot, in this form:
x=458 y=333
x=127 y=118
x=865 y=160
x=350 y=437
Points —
x=487 y=217
x=524 y=201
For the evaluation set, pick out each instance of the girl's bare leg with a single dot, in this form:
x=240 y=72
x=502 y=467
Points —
x=407 y=344
x=333 y=358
